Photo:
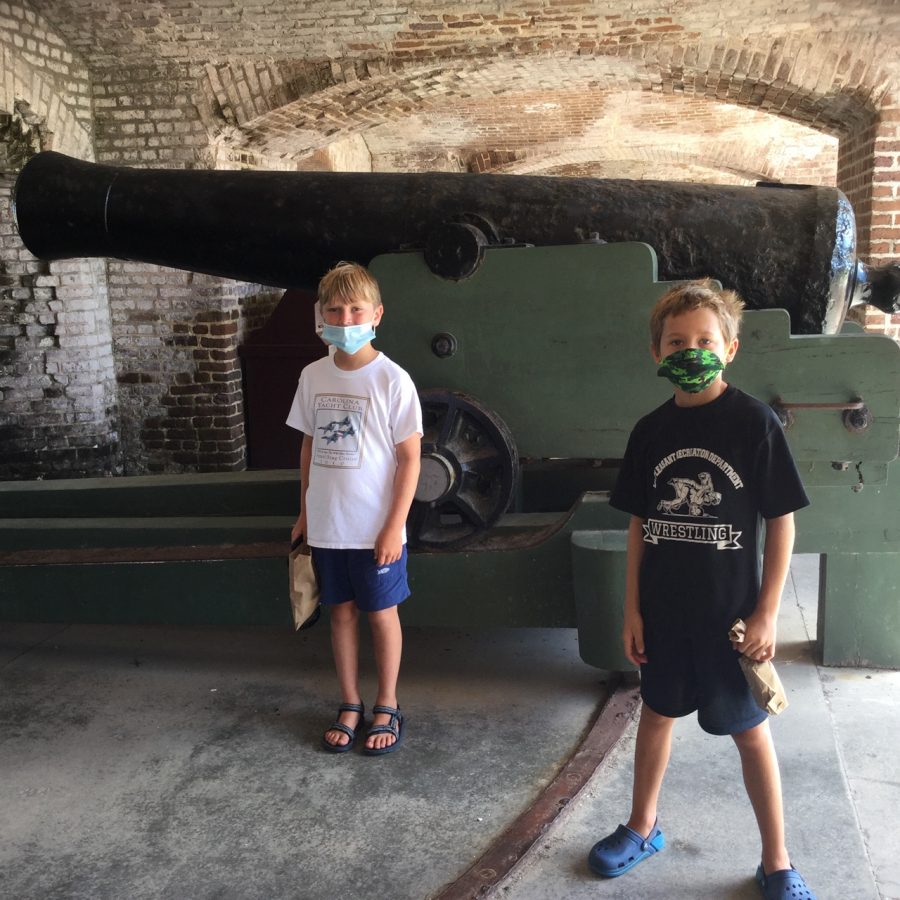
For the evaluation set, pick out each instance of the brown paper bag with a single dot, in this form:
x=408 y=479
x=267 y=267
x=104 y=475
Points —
x=304 y=587
x=765 y=685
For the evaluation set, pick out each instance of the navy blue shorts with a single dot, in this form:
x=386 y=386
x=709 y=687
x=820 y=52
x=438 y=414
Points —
x=687 y=673
x=354 y=575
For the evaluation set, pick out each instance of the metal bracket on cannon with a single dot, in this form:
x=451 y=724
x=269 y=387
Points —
x=856 y=415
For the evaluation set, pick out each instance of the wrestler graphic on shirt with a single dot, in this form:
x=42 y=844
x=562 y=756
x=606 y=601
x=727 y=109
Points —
x=696 y=494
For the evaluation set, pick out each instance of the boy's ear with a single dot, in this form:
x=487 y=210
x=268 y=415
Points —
x=654 y=352
x=376 y=318
x=319 y=318
x=731 y=350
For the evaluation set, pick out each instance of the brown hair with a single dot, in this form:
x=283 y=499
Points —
x=704 y=293
x=347 y=282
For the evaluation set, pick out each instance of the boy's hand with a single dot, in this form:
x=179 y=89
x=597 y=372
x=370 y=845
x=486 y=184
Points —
x=759 y=639
x=633 y=638
x=299 y=529
x=388 y=546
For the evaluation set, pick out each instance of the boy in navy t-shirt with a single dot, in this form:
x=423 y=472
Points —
x=700 y=472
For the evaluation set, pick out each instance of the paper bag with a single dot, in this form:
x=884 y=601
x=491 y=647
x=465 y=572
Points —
x=304 y=587
x=765 y=685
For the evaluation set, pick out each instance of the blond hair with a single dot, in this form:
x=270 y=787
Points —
x=346 y=282
x=704 y=293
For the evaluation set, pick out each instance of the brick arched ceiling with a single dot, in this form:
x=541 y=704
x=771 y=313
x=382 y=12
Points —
x=202 y=30
x=604 y=132
x=540 y=109
x=299 y=84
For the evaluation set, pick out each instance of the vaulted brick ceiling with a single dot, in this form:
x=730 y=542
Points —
x=294 y=83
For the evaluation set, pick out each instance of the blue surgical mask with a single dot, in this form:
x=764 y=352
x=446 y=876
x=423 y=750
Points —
x=348 y=338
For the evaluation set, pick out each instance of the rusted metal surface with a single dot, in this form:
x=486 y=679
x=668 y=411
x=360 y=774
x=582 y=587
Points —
x=785 y=246
x=483 y=878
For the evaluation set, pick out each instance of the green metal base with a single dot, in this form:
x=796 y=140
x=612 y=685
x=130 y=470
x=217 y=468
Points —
x=521 y=575
x=598 y=572
x=214 y=592
x=859 y=609
x=536 y=569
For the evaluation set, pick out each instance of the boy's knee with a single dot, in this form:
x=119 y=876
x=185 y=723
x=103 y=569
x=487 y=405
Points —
x=757 y=736
x=651 y=718
x=384 y=618
x=344 y=612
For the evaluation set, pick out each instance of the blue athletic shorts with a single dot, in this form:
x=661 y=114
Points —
x=687 y=673
x=354 y=575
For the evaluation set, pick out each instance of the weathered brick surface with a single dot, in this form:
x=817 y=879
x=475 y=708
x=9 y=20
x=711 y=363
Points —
x=884 y=235
x=176 y=337
x=145 y=116
x=595 y=132
x=58 y=407
x=46 y=81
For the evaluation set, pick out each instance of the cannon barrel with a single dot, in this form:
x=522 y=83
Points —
x=778 y=246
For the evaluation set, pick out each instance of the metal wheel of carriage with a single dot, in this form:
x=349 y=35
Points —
x=469 y=471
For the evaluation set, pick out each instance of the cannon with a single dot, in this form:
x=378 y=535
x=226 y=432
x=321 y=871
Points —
x=523 y=322
x=779 y=246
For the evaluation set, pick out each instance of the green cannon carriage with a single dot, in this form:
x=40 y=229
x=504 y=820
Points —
x=533 y=364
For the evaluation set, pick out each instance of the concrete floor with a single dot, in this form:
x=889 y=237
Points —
x=147 y=762
x=841 y=775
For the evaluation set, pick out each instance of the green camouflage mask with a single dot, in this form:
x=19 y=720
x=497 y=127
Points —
x=691 y=370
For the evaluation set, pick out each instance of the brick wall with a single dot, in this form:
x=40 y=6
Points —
x=877 y=186
x=176 y=337
x=58 y=407
x=855 y=177
x=885 y=166
x=145 y=116
x=43 y=80
x=175 y=334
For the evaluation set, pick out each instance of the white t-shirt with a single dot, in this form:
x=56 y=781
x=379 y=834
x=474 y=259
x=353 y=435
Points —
x=355 y=420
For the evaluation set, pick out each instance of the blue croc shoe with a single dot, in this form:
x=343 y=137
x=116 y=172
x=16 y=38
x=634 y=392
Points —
x=623 y=850
x=785 y=884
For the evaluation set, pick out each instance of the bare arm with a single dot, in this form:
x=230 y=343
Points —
x=305 y=460
x=389 y=543
x=759 y=641
x=633 y=632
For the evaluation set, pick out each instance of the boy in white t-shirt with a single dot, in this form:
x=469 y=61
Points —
x=359 y=466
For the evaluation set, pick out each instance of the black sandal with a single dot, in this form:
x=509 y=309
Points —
x=346 y=729
x=394 y=727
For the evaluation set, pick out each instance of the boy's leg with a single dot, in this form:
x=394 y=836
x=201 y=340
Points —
x=651 y=757
x=345 y=647
x=623 y=849
x=763 y=782
x=387 y=643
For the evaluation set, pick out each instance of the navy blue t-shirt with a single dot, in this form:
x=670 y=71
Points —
x=702 y=477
